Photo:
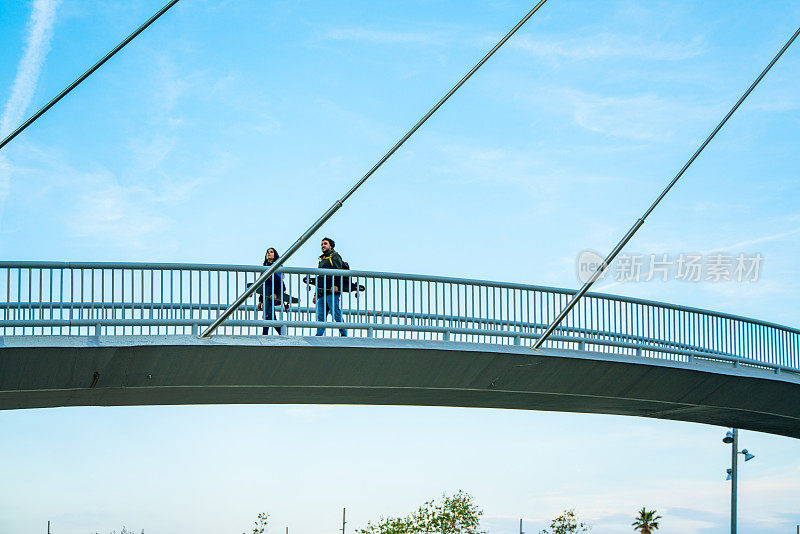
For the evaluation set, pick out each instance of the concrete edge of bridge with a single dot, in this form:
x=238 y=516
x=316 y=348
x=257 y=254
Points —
x=53 y=371
x=77 y=342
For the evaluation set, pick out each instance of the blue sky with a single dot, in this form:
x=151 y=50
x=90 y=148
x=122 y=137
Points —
x=230 y=126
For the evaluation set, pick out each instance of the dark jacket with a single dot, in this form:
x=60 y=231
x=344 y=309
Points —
x=325 y=284
x=273 y=286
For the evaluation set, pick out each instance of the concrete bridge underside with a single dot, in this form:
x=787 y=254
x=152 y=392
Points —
x=39 y=372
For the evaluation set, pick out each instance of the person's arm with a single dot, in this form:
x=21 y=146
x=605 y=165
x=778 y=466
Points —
x=276 y=283
x=336 y=263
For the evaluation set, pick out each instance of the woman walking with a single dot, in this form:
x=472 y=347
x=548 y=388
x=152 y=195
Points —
x=272 y=291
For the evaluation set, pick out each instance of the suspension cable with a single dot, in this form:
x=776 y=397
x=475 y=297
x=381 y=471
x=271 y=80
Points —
x=338 y=204
x=640 y=221
x=86 y=74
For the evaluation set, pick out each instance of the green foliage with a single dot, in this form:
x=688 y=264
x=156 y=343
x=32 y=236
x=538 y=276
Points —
x=646 y=522
x=566 y=523
x=260 y=524
x=456 y=514
x=390 y=525
x=123 y=531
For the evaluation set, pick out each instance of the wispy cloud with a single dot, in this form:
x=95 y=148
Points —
x=36 y=47
x=606 y=46
x=37 y=44
x=591 y=47
x=605 y=510
x=630 y=118
x=107 y=208
x=5 y=183
x=382 y=37
x=761 y=289
x=762 y=239
x=644 y=117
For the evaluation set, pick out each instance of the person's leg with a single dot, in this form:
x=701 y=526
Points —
x=337 y=313
x=321 y=314
x=279 y=329
x=275 y=316
x=267 y=316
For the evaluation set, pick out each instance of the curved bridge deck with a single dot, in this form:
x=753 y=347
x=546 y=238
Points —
x=611 y=355
x=140 y=370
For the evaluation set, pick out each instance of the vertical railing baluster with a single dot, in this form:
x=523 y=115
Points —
x=529 y=321
x=133 y=300
x=475 y=316
x=410 y=313
x=374 y=295
x=40 y=301
x=30 y=298
x=486 y=313
x=164 y=312
x=180 y=298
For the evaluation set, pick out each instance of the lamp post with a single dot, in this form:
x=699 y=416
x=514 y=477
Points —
x=732 y=437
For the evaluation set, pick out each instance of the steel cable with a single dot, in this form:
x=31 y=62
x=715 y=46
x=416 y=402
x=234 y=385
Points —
x=338 y=204
x=639 y=222
x=86 y=74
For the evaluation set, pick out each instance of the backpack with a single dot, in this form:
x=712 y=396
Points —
x=349 y=284
x=346 y=284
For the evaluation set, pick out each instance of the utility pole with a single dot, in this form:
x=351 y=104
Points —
x=48 y=527
x=732 y=438
x=344 y=510
x=520 y=526
x=734 y=474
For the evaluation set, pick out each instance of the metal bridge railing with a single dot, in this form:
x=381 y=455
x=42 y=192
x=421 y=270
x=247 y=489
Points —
x=38 y=298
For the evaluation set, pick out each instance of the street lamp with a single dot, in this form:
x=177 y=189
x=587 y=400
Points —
x=732 y=438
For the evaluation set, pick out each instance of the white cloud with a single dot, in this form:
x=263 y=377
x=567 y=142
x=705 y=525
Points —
x=37 y=45
x=502 y=166
x=381 y=37
x=642 y=117
x=629 y=119
x=606 y=46
x=763 y=239
x=108 y=210
x=606 y=509
x=5 y=184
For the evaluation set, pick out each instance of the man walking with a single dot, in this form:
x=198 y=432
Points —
x=329 y=294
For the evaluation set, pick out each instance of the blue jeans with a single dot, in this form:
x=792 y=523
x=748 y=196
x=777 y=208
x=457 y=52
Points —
x=269 y=314
x=330 y=304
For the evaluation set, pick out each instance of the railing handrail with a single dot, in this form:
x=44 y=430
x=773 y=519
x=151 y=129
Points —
x=619 y=339
x=384 y=275
x=696 y=353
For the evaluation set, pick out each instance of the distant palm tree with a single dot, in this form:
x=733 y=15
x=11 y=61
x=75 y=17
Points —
x=646 y=522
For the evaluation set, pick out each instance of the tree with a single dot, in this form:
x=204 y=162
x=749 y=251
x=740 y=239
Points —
x=566 y=523
x=456 y=514
x=390 y=525
x=123 y=531
x=260 y=524
x=646 y=522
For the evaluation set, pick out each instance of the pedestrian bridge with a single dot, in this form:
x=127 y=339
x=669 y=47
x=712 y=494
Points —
x=111 y=334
